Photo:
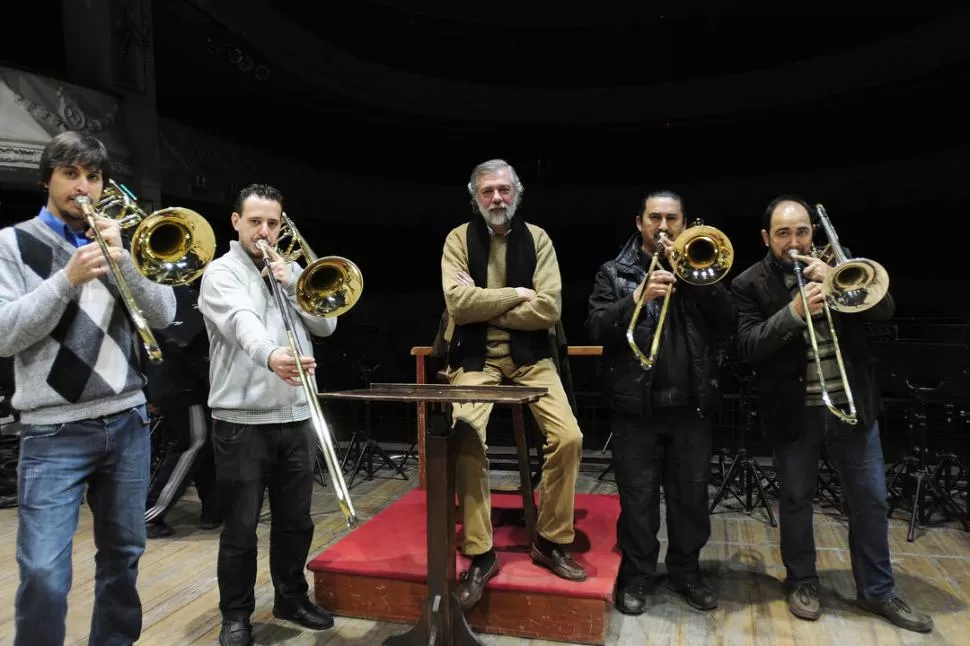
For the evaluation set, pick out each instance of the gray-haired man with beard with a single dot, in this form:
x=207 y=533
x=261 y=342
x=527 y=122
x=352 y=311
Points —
x=502 y=289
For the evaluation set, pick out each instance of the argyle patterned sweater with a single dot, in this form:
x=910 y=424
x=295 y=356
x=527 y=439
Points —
x=77 y=355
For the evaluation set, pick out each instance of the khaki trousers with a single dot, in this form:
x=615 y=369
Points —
x=563 y=450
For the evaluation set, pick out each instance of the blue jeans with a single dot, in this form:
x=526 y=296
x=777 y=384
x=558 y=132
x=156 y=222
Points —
x=856 y=454
x=111 y=456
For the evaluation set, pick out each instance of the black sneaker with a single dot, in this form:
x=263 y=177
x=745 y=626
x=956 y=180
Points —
x=804 y=603
x=898 y=611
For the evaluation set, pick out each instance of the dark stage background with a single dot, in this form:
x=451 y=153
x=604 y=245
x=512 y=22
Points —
x=859 y=109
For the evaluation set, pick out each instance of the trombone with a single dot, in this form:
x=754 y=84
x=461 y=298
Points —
x=702 y=255
x=854 y=285
x=170 y=247
x=328 y=287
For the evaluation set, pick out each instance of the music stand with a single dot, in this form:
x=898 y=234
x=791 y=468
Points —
x=368 y=447
x=924 y=370
x=744 y=468
x=948 y=460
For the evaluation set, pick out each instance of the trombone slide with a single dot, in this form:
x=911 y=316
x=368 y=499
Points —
x=851 y=417
x=317 y=419
x=152 y=349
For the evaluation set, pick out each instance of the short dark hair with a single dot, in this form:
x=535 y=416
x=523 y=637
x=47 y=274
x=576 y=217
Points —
x=660 y=194
x=264 y=191
x=73 y=147
x=785 y=197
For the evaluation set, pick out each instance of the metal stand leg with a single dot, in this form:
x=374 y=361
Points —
x=748 y=474
x=609 y=467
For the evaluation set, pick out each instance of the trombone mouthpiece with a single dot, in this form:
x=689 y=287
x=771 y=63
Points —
x=82 y=199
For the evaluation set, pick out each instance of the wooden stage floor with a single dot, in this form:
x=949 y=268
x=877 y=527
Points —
x=180 y=594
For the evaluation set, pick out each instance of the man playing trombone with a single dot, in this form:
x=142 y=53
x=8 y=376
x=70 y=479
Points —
x=806 y=398
x=261 y=433
x=661 y=406
x=80 y=392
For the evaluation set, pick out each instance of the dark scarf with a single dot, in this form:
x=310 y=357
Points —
x=468 y=341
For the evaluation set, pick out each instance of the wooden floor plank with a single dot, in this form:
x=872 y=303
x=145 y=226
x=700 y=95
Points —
x=180 y=595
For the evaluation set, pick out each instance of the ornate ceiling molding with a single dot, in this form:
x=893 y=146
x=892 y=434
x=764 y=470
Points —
x=321 y=64
x=33 y=109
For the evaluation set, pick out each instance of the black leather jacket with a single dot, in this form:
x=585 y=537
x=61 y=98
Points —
x=709 y=322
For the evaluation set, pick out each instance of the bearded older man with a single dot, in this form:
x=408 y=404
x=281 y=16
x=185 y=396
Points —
x=502 y=290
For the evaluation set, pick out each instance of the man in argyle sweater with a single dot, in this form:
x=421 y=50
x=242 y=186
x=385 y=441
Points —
x=80 y=395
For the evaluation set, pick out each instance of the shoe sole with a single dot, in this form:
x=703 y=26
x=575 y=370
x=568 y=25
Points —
x=299 y=623
x=807 y=616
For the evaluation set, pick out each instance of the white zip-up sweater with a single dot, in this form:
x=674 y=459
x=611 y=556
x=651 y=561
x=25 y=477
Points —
x=244 y=327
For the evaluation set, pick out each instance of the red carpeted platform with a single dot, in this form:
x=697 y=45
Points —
x=379 y=571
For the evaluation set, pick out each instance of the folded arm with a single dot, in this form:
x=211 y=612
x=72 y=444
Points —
x=542 y=312
x=467 y=303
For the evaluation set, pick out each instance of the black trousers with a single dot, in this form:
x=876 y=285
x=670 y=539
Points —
x=249 y=460
x=672 y=449
x=188 y=457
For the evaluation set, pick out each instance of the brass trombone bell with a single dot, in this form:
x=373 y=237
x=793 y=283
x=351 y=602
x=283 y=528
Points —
x=329 y=286
x=171 y=246
x=702 y=255
x=854 y=284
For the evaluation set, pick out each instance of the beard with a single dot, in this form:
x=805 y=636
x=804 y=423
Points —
x=498 y=216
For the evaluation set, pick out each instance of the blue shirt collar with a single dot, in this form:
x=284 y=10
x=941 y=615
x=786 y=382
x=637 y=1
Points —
x=76 y=238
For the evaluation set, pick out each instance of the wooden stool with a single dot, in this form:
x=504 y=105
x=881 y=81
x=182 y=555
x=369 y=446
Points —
x=526 y=483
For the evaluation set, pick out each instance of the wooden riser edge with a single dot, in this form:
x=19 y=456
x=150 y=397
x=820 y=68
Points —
x=500 y=612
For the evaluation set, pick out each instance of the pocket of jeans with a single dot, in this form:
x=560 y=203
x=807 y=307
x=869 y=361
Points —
x=38 y=431
x=227 y=431
x=142 y=413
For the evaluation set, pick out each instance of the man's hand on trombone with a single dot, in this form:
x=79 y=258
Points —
x=813 y=269
x=88 y=262
x=813 y=292
x=282 y=362
x=110 y=232
x=280 y=267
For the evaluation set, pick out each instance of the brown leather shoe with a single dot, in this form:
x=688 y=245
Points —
x=472 y=583
x=561 y=563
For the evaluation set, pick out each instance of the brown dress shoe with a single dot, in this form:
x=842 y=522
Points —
x=472 y=583
x=561 y=563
